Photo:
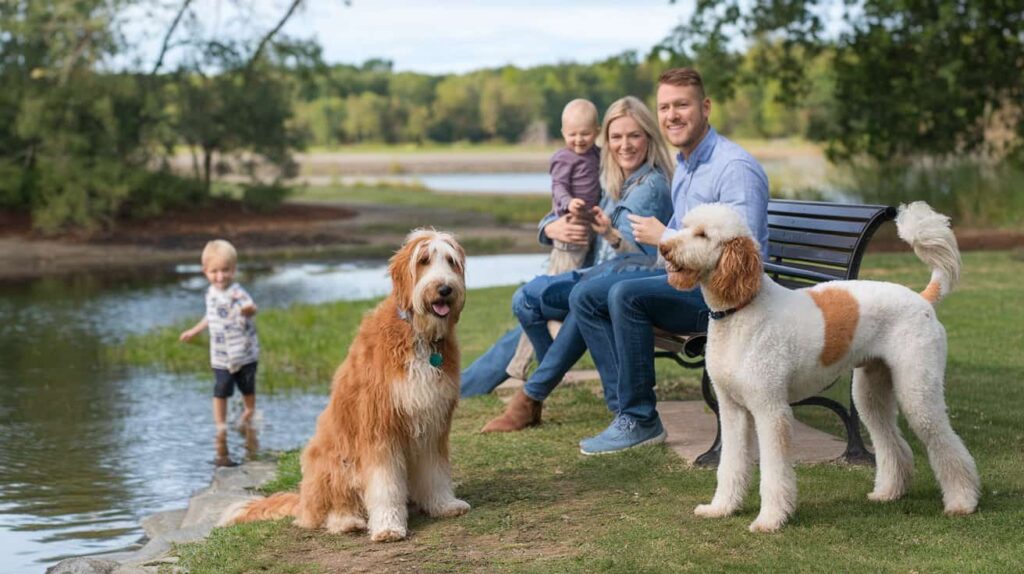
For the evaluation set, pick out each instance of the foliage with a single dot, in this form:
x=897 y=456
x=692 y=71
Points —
x=264 y=197
x=78 y=140
x=911 y=78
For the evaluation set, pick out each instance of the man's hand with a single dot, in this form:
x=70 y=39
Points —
x=647 y=230
x=566 y=231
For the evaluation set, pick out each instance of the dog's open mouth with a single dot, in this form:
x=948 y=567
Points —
x=440 y=308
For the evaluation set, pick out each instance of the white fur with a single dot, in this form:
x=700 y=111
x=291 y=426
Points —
x=768 y=355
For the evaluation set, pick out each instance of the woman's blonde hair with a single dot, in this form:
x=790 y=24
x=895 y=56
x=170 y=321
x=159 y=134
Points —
x=612 y=176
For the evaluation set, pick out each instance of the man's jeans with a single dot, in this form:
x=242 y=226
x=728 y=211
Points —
x=616 y=313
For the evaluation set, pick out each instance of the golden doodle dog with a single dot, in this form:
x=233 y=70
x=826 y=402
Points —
x=383 y=438
x=776 y=346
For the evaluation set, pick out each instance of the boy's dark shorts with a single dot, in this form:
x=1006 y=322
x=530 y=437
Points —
x=245 y=378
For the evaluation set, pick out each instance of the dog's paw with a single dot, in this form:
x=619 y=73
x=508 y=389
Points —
x=960 y=509
x=306 y=523
x=337 y=523
x=389 y=535
x=767 y=523
x=884 y=495
x=453 y=508
x=711 y=511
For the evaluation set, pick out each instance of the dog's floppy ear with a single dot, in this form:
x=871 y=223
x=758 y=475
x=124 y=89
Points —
x=737 y=277
x=400 y=269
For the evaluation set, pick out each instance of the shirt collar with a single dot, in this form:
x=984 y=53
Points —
x=640 y=172
x=702 y=153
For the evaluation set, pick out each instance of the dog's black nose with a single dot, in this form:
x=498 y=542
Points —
x=444 y=290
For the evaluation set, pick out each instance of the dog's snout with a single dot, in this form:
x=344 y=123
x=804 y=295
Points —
x=444 y=290
x=664 y=249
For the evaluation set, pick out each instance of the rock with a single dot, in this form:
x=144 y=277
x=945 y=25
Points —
x=84 y=566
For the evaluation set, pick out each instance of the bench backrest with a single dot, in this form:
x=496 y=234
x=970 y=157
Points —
x=814 y=241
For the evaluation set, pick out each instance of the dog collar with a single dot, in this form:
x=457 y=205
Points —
x=717 y=315
x=435 y=358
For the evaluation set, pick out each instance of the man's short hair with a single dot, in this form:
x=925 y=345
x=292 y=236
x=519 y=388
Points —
x=219 y=250
x=683 y=77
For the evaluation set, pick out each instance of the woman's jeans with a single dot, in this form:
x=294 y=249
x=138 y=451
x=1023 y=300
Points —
x=616 y=314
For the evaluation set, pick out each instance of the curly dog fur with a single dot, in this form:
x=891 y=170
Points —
x=781 y=346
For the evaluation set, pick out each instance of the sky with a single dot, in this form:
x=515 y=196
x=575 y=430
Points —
x=446 y=36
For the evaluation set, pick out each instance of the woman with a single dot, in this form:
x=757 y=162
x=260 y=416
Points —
x=635 y=173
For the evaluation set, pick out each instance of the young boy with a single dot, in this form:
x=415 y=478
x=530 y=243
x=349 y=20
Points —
x=575 y=178
x=234 y=348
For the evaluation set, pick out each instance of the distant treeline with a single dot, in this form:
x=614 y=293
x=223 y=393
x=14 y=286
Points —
x=348 y=104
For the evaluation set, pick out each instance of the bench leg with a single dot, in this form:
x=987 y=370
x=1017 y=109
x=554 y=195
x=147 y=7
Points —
x=712 y=455
x=856 y=452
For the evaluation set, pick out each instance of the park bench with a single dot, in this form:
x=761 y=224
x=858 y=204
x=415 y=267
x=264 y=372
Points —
x=808 y=242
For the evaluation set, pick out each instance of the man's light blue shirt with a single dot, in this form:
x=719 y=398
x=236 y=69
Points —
x=720 y=171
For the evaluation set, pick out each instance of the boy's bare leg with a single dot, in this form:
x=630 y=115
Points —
x=220 y=412
x=250 y=408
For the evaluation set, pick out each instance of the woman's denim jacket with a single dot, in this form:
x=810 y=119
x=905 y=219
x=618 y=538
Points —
x=645 y=192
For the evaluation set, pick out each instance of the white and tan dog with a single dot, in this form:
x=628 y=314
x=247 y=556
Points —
x=779 y=346
x=383 y=439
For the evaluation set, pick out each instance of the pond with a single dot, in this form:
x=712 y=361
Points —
x=88 y=449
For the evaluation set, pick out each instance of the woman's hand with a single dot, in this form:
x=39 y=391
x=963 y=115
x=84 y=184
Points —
x=647 y=230
x=602 y=223
x=566 y=231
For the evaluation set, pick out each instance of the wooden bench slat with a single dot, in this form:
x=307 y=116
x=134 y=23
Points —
x=853 y=228
x=825 y=210
x=843 y=242
x=816 y=274
x=810 y=254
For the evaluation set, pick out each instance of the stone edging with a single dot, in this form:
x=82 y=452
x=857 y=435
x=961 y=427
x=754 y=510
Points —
x=164 y=529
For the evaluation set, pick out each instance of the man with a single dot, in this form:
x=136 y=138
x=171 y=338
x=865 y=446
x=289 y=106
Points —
x=616 y=313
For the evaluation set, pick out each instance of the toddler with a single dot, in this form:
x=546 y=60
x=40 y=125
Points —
x=234 y=347
x=575 y=179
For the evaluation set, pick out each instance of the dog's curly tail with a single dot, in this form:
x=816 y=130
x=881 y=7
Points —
x=933 y=241
x=275 y=506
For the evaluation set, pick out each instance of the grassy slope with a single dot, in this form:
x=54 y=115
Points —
x=541 y=507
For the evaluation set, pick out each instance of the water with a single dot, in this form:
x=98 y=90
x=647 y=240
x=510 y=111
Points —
x=88 y=449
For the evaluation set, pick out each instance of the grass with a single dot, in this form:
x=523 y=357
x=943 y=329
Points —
x=506 y=209
x=538 y=506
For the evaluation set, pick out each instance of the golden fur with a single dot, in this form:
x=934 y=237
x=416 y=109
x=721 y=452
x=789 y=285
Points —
x=383 y=438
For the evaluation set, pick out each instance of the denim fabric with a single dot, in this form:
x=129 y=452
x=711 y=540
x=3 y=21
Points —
x=616 y=314
x=534 y=309
x=488 y=371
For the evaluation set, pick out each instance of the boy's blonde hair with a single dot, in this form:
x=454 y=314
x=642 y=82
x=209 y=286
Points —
x=219 y=250
x=581 y=108
x=612 y=176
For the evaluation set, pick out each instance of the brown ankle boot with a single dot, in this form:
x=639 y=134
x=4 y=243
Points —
x=521 y=412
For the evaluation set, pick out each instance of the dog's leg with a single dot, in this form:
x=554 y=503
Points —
x=778 y=479
x=876 y=402
x=344 y=521
x=919 y=392
x=313 y=497
x=385 y=496
x=430 y=483
x=735 y=461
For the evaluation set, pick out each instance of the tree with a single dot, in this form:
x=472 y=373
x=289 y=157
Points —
x=910 y=77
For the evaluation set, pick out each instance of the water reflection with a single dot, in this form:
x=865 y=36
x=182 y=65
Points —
x=87 y=449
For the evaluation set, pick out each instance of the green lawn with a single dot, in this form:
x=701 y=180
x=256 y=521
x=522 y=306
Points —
x=539 y=506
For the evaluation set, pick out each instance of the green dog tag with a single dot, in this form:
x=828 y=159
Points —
x=435 y=359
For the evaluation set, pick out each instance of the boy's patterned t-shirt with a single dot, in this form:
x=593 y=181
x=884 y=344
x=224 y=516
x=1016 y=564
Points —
x=233 y=341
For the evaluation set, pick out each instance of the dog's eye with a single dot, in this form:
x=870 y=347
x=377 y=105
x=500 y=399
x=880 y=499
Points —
x=451 y=261
x=699 y=232
x=424 y=260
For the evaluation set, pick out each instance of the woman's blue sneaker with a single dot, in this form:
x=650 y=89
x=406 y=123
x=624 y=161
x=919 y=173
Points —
x=622 y=434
